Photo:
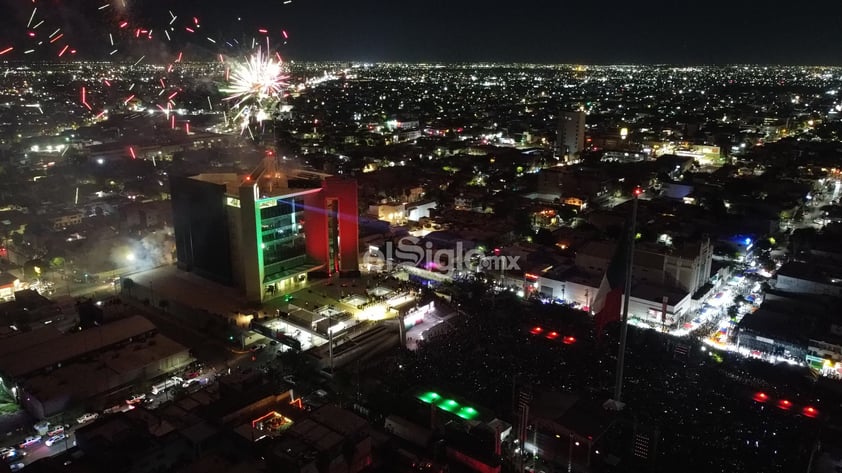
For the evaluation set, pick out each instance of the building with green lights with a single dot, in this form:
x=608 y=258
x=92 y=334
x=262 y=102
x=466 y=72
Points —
x=267 y=231
x=448 y=405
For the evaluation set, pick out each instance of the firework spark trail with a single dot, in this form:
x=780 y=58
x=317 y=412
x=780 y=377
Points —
x=255 y=85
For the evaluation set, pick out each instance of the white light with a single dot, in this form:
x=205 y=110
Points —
x=130 y=257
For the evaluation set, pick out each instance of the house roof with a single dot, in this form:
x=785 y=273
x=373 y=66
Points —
x=7 y=279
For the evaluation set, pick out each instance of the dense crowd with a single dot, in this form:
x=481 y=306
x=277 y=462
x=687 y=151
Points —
x=702 y=404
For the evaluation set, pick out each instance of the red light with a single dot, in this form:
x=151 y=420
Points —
x=638 y=191
x=569 y=340
x=552 y=335
x=761 y=397
x=536 y=330
x=810 y=411
x=784 y=404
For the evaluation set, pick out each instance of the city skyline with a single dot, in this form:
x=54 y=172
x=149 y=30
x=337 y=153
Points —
x=455 y=243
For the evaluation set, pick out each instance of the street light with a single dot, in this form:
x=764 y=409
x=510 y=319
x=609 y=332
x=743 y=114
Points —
x=130 y=257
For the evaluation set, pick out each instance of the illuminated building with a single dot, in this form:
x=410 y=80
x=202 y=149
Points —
x=571 y=135
x=266 y=231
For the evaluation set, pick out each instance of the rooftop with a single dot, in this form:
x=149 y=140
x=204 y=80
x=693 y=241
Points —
x=21 y=340
x=7 y=279
x=809 y=272
x=285 y=182
x=657 y=293
x=84 y=379
x=778 y=325
x=35 y=357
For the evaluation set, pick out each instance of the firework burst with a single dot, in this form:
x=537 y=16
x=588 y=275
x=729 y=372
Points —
x=256 y=85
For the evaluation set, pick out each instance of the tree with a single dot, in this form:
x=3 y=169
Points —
x=545 y=237
x=128 y=285
x=57 y=263
x=522 y=224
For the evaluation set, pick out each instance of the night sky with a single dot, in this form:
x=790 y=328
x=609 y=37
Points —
x=547 y=31
x=568 y=31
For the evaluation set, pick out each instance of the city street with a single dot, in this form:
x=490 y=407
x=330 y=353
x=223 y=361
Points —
x=41 y=450
x=743 y=286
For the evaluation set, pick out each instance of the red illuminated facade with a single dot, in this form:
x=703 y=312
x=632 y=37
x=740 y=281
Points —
x=331 y=225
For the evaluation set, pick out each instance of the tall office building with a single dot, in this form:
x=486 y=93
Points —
x=571 y=135
x=265 y=232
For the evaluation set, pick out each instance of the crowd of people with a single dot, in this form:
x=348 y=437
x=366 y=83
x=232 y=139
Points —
x=702 y=403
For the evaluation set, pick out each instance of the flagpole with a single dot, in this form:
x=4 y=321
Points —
x=624 y=322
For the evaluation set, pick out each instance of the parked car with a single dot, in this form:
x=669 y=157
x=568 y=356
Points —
x=10 y=454
x=88 y=417
x=16 y=466
x=55 y=438
x=135 y=398
x=119 y=408
x=189 y=382
x=30 y=441
x=59 y=429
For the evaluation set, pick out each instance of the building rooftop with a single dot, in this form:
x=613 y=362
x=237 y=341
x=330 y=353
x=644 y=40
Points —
x=809 y=272
x=340 y=420
x=782 y=326
x=84 y=379
x=649 y=292
x=324 y=431
x=7 y=279
x=36 y=357
x=18 y=341
x=285 y=182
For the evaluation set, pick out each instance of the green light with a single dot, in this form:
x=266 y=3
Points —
x=467 y=413
x=449 y=405
x=429 y=397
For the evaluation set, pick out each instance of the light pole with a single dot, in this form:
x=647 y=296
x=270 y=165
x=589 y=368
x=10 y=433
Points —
x=330 y=340
x=624 y=324
x=570 y=454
